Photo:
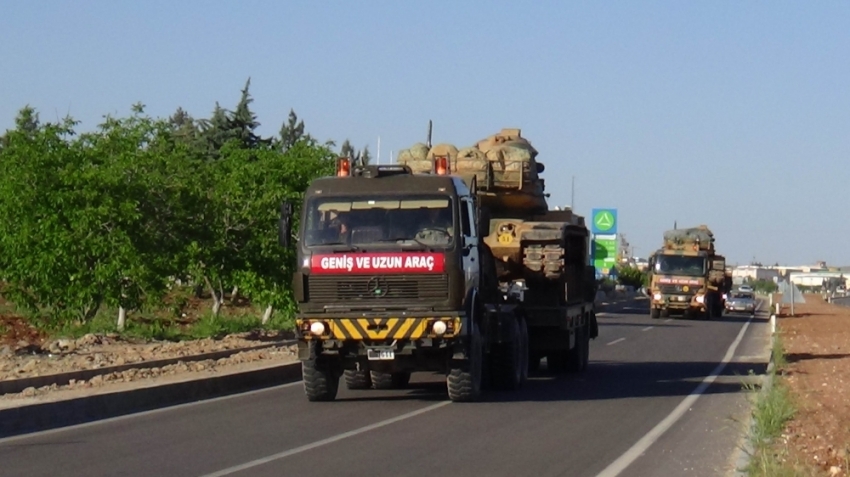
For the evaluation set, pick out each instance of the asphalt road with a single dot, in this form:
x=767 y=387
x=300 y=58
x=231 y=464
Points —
x=634 y=413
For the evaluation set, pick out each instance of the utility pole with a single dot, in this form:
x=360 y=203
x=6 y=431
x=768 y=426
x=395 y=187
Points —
x=379 y=150
x=573 y=195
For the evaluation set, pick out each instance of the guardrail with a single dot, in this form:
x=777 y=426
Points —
x=13 y=386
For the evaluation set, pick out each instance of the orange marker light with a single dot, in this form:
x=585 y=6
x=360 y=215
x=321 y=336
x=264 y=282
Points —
x=442 y=165
x=343 y=167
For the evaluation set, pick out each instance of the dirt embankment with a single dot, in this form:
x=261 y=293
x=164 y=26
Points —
x=817 y=345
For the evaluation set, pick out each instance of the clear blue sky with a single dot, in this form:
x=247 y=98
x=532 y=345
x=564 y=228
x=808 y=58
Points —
x=732 y=114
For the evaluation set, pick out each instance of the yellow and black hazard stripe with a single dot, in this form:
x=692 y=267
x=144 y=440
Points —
x=360 y=329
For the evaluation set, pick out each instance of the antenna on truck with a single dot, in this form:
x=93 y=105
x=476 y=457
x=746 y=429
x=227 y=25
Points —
x=428 y=142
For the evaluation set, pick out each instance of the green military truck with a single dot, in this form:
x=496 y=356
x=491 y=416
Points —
x=394 y=276
x=687 y=276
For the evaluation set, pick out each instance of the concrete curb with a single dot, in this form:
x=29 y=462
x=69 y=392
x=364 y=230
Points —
x=14 y=386
x=747 y=449
x=51 y=415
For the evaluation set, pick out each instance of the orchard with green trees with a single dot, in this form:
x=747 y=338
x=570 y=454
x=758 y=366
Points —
x=122 y=220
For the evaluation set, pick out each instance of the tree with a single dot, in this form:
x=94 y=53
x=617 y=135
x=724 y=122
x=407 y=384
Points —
x=75 y=235
x=243 y=122
x=365 y=157
x=346 y=150
x=184 y=127
x=292 y=131
x=630 y=276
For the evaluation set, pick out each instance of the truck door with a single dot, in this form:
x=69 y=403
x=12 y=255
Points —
x=469 y=243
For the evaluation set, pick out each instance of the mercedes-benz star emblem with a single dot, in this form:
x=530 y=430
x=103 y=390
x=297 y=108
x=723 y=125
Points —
x=377 y=287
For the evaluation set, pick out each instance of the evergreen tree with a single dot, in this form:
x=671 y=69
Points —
x=347 y=150
x=365 y=157
x=243 y=122
x=292 y=131
x=183 y=126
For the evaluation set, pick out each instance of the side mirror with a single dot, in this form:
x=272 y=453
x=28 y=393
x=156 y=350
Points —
x=540 y=167
x=285 y=226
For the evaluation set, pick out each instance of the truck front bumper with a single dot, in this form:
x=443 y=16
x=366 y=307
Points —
x=677 y=302
x=360 y=336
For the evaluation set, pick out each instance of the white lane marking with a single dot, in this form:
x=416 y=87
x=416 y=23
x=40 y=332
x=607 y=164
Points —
x=668 y=320
x=622 y=462
x=648 y=328
x=146 y=413
x=603 y=314
x=324 y=442
x=616 y=341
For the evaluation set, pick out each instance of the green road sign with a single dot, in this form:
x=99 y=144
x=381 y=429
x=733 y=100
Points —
x=604 y=254
x=604 y=221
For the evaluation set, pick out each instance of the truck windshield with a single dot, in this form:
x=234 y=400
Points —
x=680 y=265
x=356 y=221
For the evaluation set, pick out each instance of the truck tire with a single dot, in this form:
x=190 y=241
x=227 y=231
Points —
x=357 y=379
x=389 y=380
x=665 y=313
x=506 y=362
x=321 y=383
x=578 y=356
x=654 y=313
x=464 y=378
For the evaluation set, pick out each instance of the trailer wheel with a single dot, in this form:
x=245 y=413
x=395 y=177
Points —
x=506 y=361
x=321 y=383
x=389 y=380
x=578 y=356
x=357 y=379
x=464 y=378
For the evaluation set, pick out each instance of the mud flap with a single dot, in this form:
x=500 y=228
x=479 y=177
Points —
x=594 y=326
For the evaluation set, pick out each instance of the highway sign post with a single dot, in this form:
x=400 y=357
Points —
x=603 y=226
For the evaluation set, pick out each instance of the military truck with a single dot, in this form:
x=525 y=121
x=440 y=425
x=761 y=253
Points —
x=543 y=252
x=687 y=276
x=395 y=275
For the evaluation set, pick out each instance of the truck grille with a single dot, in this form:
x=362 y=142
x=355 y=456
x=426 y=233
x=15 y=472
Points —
x=677 y=289
x=386 y=288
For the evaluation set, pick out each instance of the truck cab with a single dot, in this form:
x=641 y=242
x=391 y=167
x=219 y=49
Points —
x=688 y=283
x=387 y=277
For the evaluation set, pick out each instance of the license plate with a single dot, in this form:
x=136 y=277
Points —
x=380 y=354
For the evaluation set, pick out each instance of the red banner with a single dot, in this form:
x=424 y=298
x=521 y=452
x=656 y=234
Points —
x=420 y=262
x=679 y=281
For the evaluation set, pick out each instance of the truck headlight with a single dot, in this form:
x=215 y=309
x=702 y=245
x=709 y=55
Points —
x=439 y=327
x=317 y=328
x=700 y=298
x=657 y=297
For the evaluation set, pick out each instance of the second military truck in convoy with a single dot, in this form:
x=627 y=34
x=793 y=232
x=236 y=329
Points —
x=395 y=275
x=687 y=276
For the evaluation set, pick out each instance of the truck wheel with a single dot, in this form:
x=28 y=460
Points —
x=321 y=383
x=654 y=313
x=357 y=379
x=578 y=356
x=389 y=380
x=464 y=378
x=665 y=313
x=506 y=362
